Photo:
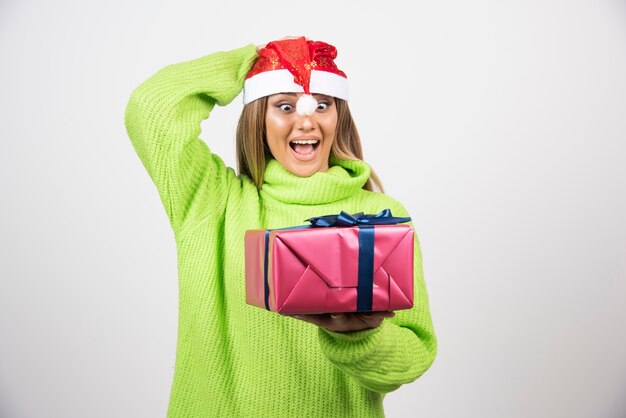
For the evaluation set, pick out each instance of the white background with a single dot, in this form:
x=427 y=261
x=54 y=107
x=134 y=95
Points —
x=501 y=126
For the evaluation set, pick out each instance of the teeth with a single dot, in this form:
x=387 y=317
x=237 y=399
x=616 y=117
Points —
x=305 y=141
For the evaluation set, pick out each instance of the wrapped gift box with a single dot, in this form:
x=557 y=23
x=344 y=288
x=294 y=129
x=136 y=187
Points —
x=337 y=268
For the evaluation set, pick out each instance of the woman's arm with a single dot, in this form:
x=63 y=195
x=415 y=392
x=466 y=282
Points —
x=163 y=119
x=398 y=351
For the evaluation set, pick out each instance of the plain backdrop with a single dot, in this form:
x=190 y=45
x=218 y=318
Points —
x=500 y=125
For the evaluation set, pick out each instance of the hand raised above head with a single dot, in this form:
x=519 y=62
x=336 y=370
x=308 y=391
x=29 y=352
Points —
x=346 y=322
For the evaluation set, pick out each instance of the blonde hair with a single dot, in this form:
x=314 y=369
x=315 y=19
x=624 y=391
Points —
x=253 y=152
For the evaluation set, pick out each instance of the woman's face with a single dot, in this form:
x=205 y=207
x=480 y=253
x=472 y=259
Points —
x=299 y=143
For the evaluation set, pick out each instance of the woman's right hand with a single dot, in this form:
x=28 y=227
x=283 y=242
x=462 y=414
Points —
x=346 y=322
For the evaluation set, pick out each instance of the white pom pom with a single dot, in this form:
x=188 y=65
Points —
x=306 y=105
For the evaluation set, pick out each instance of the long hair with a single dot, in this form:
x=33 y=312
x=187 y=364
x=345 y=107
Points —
x=253 y=152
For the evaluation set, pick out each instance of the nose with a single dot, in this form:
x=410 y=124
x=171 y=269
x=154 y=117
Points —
x=305 y=123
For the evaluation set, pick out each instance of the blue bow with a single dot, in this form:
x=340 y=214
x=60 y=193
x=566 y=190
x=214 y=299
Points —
x=345 y=219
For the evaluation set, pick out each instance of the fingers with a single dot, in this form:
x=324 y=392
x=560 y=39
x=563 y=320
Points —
x=374 y=319
x=385 y=314
x=346 y=322
x=316 y=319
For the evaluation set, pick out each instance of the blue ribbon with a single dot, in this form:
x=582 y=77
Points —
x=365 y=286
x=365 y=223
x=384 y=217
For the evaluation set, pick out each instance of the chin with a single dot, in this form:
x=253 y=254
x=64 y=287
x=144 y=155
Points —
x=304 y=171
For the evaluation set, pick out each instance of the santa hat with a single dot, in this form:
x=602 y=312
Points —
x=296 y=66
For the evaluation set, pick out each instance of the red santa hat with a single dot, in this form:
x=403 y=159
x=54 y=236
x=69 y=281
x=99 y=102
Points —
x=296 y=66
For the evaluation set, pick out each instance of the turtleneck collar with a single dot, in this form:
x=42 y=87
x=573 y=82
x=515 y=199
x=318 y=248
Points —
x=342 y=179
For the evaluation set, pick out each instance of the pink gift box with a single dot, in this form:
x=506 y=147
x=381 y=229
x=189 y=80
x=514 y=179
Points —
x=330 y=270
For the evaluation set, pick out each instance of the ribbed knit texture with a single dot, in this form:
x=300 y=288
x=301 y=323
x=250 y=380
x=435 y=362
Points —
x=237 y=360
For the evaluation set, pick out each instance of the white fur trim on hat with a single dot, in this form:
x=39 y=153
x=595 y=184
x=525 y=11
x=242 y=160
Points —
x=281 y=81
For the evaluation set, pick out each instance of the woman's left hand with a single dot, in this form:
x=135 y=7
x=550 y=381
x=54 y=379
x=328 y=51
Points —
x=346 y=322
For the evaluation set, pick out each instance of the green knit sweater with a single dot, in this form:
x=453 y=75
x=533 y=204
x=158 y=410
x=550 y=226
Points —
x=237 y=360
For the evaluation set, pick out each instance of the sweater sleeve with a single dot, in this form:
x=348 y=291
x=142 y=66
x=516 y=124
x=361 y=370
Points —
x=399 y=351
x=163 y=120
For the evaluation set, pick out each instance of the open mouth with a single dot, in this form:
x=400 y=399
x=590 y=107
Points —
x=304 y=147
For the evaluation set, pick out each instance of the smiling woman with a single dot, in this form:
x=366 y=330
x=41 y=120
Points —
x=299 y=155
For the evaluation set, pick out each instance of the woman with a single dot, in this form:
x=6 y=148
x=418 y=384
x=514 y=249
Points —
x=299 y=156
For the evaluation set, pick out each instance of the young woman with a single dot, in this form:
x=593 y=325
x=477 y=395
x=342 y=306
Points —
x=299 y=156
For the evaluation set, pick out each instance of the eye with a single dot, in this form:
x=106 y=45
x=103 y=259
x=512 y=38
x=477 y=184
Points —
x=285 y=107
x=322 y=106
